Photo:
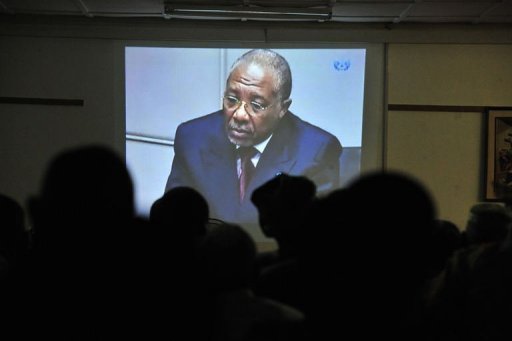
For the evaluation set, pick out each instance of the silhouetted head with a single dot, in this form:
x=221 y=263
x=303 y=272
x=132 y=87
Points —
x=393 y=215
x=447 y=235
x=282 y=203
x=84 y=187
x=487 y=222
x=227 y=255
x=393 y=197
x=183 y=208
x=447 y=238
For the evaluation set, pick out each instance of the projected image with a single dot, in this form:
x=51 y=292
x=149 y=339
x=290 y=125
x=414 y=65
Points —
x=225 y=121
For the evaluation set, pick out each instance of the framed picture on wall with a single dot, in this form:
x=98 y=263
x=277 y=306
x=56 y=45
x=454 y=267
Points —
x=499 y=156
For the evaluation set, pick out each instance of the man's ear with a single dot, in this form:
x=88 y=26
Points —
x=284 y=107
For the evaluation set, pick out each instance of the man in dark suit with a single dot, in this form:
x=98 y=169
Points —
x=227 y=154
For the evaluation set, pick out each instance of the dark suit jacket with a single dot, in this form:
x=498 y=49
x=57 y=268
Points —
x=205 y=159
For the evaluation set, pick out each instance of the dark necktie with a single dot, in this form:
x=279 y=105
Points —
x=247 y=167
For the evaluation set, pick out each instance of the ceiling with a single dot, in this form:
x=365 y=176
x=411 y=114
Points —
x=355 y=11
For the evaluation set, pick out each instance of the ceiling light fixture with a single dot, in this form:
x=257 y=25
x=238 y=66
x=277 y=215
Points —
x=245 y=12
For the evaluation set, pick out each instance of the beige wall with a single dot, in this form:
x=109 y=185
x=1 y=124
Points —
x=445 y=149
x=450 y=74
x=30 y=135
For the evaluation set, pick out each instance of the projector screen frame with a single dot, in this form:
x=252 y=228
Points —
x=374 y=89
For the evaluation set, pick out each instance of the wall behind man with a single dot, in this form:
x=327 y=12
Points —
x=54 y=68
x=75 y=60
x=445 y=150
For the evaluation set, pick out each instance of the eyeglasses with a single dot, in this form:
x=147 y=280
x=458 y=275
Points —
x=253 y=108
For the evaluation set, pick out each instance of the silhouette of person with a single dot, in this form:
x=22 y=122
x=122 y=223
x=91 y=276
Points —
x=180 y=218
x=283 y=204
x=227 y=257
x=83 y=230
x=183 y=208
x=368 y=249
x=14 y=239
x=487 y=222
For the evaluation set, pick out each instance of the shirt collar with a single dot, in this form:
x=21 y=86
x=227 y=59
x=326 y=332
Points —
x=260 y=147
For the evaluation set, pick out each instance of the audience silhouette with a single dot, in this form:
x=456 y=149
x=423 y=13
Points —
x=14 y=238
x=472 y=298
x=184 y=210
x=82 y=221
x=180 y=218
x=447 y=239
x=487 y=222
x=370 y=260
x=283 y=203
x=368 y=253
x=227 y=256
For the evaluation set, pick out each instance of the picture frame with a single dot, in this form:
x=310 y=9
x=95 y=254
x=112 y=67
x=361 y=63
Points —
x=498 y=185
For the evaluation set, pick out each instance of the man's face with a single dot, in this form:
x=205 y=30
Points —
x=253 y=85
